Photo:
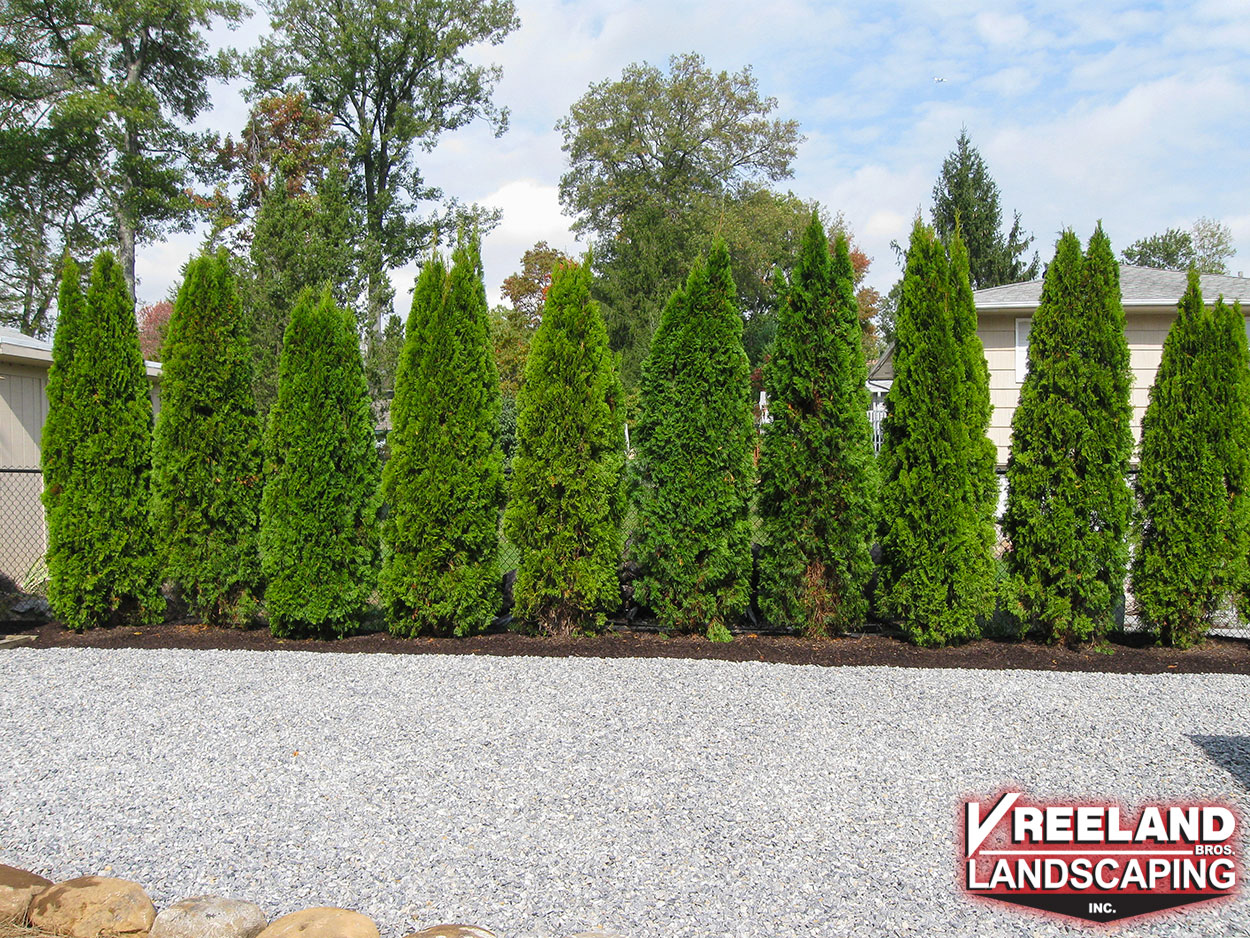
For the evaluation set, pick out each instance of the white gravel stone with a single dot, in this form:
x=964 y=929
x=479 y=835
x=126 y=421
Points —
x=545 y=797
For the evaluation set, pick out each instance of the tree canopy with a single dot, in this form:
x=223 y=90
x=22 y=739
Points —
x=131 y=76
x=1206 y=246
x=393 y=75
x=659 y=164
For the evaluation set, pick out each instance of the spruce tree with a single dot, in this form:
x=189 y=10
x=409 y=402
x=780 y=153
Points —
x=97 y=457
x=443 y=482
x=567 y=498
x=206 y=479
x=695 y=441
x=1191 y=486
x=319 y=514
x=1068 y=501
x=936 y=577
x=818 y=485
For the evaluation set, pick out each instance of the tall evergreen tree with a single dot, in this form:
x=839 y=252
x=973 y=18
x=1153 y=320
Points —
x=1192 y=484
x=206 y=480
x=966 y=196
x=319 y=515
x=818 y=473
x=695 y=444
x=97 y=454
x=936 y=578
x=567 y=497
x=1068 y=501
x=983 y=454
x=444 y=479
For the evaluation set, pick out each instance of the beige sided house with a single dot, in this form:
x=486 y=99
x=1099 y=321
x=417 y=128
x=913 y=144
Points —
x=1005 y=314
x=24 y=364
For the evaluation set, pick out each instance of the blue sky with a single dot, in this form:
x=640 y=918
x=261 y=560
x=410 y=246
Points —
x=1132 y=113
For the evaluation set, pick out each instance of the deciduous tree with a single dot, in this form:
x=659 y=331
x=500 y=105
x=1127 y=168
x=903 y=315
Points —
x=654 y=159
x=136 y=76
x=393 y=76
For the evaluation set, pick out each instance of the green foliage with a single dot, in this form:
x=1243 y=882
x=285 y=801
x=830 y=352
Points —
x=1206 y=246
x=131 y=76
x=695 y=439
x=206 y=479
x=655 y=200
x=567 y=497
x=1068 y=501
x=976 y=409
x=97 y=452
x=444 y=480
x=319 y=515
x=966 y=197
x=1172 y=250
x=818 y=492
x=937 y=573
x=1194 y=520
x=300 y=241
x=395 y=76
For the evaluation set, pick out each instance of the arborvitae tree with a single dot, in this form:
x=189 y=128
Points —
x=818 y=493
x=936 y=578
x=1068 y=501
x=1192 y=525
x=695 y=442
x=982 y=454
x=567 y=497
x=97 y=457
x=206 y=478
x=319 y=515
x=443 y=482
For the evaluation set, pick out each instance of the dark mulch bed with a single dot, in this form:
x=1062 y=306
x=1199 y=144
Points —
x=1122 y=654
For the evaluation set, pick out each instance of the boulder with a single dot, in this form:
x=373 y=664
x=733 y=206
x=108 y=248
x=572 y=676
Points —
x=209 y=917
x=17 y=889
x=93 y=906
x=452 y=931
x=322 y=922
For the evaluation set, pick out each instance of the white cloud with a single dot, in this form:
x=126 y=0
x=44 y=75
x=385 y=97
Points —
x=1001 y=29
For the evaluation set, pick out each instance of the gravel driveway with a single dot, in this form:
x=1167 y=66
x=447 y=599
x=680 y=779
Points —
x=541 y=797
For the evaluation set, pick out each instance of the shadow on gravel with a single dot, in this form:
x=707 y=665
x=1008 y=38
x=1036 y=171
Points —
x=1228 y=752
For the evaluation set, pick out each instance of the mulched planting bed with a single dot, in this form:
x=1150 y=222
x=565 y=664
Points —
x=1125 y=654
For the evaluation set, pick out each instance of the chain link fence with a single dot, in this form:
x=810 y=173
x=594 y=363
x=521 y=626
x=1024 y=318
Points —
x=23 y=530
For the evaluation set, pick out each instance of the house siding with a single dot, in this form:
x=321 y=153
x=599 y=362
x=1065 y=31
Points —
x=1145 y=330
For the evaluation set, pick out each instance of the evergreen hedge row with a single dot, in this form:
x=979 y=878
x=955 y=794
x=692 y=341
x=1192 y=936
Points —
x=124 y=510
